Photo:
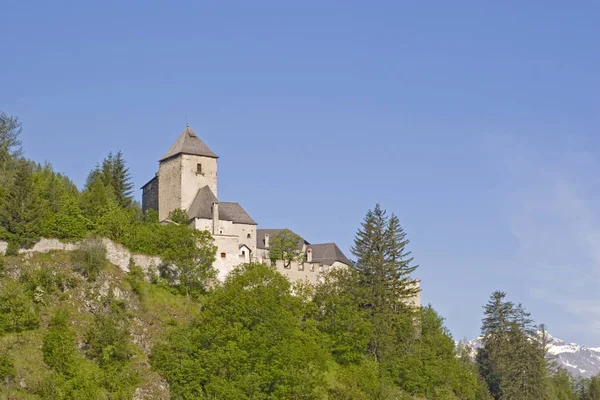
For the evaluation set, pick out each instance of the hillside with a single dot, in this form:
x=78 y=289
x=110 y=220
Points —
x=52 y=281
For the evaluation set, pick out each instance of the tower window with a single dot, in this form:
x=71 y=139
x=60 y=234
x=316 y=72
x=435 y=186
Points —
x=248 y=236
x=199 y=169
x=223 y=255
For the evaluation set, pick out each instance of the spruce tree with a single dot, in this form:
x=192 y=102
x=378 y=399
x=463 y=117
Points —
x=383 y=262
x=383 y=266
x=121 y=181
x=21 y=211
x=10 y=145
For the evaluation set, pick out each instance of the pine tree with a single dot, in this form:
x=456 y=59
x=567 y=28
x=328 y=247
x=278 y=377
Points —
x=10 y=145
x=383 y=261
x=21 y=211
x=511 y=359
x=383 y=266
x=121 y=181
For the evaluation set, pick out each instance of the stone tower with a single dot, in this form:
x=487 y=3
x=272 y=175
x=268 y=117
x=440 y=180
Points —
x=188 y=166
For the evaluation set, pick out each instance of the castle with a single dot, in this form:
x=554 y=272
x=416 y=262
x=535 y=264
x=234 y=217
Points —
x=187 y=180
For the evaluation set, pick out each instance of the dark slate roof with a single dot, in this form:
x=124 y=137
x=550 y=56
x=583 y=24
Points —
x=188 y=143
x=202 y=208
x=260 y=237
x=150 y=181
x=235 y=213
x=202 y=204
x=328 y=253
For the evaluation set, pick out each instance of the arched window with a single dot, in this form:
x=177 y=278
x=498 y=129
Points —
x=248 y=236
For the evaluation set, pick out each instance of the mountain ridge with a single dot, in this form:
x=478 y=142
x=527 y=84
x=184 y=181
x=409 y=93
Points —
x=579 y=361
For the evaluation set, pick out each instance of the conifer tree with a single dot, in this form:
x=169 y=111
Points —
x=383 y=262
x=10 y=145
x=21 y=211
x=384 y=267
x=121 y=181
x=511 y=359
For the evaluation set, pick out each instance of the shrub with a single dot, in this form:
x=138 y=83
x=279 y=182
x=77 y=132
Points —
x=7 y=368
x=17 y=310
x=13 y=248
x=90 y=258
x=59 y=347
x=135 y=277
x=108 y=337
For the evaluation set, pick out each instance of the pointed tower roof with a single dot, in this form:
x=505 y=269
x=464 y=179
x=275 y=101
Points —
x=188 y=143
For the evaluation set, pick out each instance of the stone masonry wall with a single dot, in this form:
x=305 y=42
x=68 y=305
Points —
x=169 y=187
x=115 y=253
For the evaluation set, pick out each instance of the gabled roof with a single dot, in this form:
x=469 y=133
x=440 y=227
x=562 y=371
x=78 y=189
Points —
x=260 y=237
x=202 y=208
x=235 y=213
x=327 y=254
x=202 y=204
x=188 y=143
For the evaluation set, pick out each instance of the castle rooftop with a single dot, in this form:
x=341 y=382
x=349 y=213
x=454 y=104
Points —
x=188 y=143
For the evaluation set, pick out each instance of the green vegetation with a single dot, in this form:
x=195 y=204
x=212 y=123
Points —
x=286 y=246
x=73 y=326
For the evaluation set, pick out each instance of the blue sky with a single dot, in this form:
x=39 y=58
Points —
x=475 y=123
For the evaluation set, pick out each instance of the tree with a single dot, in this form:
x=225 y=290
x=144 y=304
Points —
x=17 y=311
x=22 y=210
x=340 y=316
x=251 y=341
x=511 y=359
x=383 y=262
x=59 y=346
x=179 y=216
x=192 y=253
x=433 y=368
x=121 y=181
x=10 y=145
x=384 y=267
x=286 y=246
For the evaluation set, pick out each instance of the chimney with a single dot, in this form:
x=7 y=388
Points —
x=266 y=240
x=215 y=215
x=309 y=255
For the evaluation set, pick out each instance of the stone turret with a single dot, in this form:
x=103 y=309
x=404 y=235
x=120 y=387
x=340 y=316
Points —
x=188 y=166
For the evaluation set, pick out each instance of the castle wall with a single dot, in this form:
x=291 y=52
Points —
x=191 y=180
x=150 y=196
x=229 y=228
x=169 y=189
x=228 y=246
x=310 y=272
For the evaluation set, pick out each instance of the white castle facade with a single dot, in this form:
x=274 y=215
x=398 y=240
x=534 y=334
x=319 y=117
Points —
x=187 y=180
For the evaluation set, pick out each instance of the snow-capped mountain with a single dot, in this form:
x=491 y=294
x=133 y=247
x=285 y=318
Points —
x=578 y=360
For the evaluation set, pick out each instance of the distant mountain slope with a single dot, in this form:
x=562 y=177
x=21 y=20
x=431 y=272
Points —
x=578 y=360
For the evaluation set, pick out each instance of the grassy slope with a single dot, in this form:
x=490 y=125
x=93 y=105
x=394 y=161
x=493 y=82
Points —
x=152 y=310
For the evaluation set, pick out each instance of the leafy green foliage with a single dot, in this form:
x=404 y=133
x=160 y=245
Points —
x=107 y=340
x=17 y=310
x=90 y=257
x=286 y=246
x=7 y=367
x=59 y=346
x=341 y=318
x=250 y=342
x=179 y=216
x=21 y=210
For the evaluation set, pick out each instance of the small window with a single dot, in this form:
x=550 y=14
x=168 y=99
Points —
x=243 y=252
x=223 y=255
x=199 y=169
x=248 y=236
